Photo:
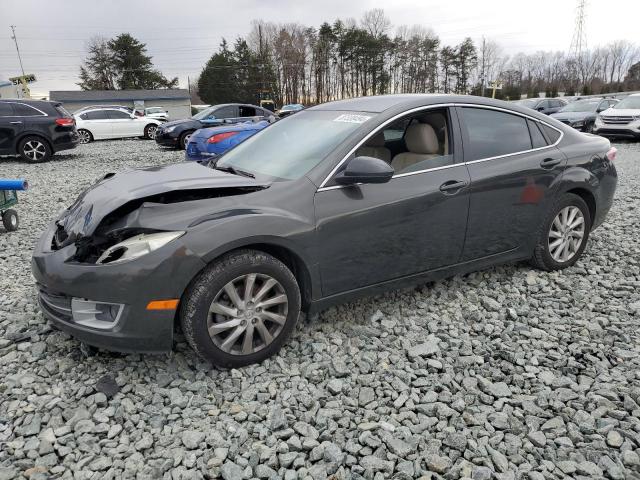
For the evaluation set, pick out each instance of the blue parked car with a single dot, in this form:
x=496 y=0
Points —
x=208 y=143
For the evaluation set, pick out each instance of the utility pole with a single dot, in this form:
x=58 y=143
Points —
x=25 y=88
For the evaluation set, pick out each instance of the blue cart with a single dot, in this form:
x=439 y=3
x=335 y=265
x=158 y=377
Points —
x=8 y=199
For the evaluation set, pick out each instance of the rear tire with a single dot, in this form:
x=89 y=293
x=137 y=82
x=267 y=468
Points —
x=85 y=136
x=184 y=139
x=564 y=234
x=241 y=309
x=10 y=220
x=150 y=131
x=34 y=149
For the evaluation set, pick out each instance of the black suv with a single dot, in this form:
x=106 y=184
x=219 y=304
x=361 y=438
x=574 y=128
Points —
x=177 y=133
x=35 y=129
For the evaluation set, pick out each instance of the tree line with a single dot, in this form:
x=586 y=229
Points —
x=293 y=63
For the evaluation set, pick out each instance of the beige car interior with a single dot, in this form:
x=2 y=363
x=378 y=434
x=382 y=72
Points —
x=426 y=142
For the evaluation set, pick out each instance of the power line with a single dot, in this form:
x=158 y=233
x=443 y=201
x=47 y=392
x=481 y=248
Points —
x=13 y=36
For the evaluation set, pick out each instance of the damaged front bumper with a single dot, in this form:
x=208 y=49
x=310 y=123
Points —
x=106 y=305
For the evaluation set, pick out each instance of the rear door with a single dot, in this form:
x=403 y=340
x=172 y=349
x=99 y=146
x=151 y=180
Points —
x=123 y=125
x=10 y=128
x=98 y=123
x=513 y=168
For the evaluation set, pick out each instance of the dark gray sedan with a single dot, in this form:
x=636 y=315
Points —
x=347 y=198
x=582 y=114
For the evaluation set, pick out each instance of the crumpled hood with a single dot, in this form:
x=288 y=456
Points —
x=115 y=190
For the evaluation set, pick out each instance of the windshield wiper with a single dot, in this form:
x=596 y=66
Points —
x=235 y=171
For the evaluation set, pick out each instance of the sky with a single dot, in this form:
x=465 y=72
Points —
x=182 y=35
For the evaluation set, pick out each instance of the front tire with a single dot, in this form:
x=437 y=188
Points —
x=34 y=149
x=241 y=309
x=150 y=131
x=564 y=234
x=10 y=220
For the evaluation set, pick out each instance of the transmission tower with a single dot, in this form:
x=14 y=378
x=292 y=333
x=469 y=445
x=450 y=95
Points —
x=579 y=40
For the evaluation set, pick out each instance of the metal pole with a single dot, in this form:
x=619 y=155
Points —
x=13 y=36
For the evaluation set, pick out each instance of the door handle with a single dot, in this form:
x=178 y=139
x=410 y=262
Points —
x=550 y=162
x=452 y=186
x=15 y=123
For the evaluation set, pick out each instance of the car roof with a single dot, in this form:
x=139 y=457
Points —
x=380 y=103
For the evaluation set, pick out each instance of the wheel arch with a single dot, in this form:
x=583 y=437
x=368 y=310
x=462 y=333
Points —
x=588 y=197
x=24 y=135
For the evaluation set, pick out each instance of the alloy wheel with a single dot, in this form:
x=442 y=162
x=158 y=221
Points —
x=85 y=137
x=185 y=140
x=34 y=150
x=247 y=314
x=151 y=132
x=566 y=234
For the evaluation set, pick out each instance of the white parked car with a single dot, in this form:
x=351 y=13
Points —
x=622 y=120
x=158 y=113
x=103 y=123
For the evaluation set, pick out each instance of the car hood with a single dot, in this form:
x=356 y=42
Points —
x=571 y=116
x=187 y=122
x=621 y=112
x=207 y=132
x=160 y=185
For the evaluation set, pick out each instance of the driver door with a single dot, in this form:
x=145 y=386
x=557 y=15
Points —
x=372 y=233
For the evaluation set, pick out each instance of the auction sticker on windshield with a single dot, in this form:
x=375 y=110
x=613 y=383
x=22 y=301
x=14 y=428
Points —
x=351 y=118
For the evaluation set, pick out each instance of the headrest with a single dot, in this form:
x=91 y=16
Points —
x=376 y=141
x=421 y=138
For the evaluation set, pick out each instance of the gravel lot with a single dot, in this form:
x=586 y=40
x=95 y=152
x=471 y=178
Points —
x=508 y=373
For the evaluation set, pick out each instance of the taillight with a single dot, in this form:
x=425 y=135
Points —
x=65 y=122
x=611 y=154
x=218 y=137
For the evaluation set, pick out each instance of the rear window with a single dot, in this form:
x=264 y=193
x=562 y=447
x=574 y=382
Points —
x=493 y=133
x=6 y=110
x=22 y=110
x=537 y=139
x=551 y=133
x=62 y=111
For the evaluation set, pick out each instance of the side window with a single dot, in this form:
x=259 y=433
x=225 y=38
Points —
x=551 y=133
x=537 y=139
x=97 y=115
x=118 y=114
x=557 y=103
x=84 y=116
x=492 y=133
x=225 y=112
x=414 y=143
x=6 y=110
x=22 y=110
x=247 y=111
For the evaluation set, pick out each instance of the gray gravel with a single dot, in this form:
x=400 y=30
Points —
x=508 y=373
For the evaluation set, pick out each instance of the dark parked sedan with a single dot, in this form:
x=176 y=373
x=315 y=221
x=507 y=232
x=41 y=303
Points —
x=35 y=129
x=582 y=114
x=369 y=194
x=177 y=133
x=543 y=105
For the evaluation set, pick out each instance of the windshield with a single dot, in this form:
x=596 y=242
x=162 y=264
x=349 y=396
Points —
x=582 y=106
x=204 y=113
x=631 y=102
x=291 y=147
x=527 y=103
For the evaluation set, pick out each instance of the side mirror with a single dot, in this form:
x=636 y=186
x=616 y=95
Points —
x=365 y=170
x=132 y=116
